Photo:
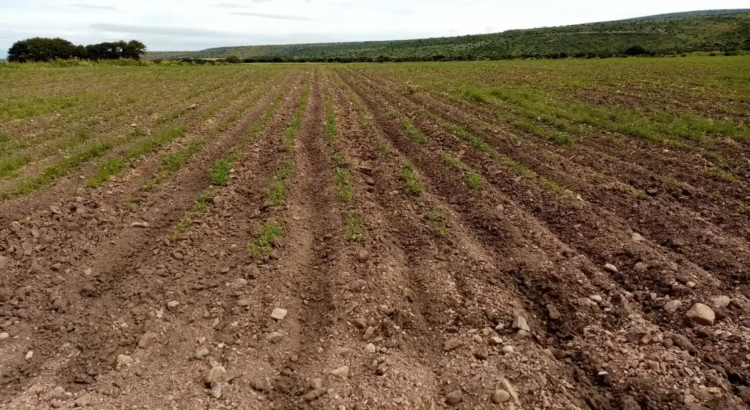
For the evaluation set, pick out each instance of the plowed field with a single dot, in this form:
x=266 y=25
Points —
x=516 y=235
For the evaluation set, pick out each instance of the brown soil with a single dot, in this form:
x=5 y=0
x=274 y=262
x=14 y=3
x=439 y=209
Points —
x=415 y=311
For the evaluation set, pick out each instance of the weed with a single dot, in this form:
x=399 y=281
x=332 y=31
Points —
x=384 y=148
x=296 y=123
x=338 y=161
x=261 y=246
x=562 y=138
x=172 y=163
x=473 y=180
x=200 y=207
x=354 y=227
x=330 y=131
x=276 y=192
x=744 y=207
x=417 y=135
x=451 y=162
x=475 y=95
x=131 y=204
x=716 y=196
x=409 y=178
x=599 y=178
x=720 y=174
x=343 y=188
x=436 y=222
x=634 y=191
x=219 y=171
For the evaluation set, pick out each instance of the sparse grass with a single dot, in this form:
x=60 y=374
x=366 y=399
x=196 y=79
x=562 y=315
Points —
x=262 y=245
x=296 y=123
x=278 y=187
x=330 y=130
x=744 y=207
x=410 y=180
x=384 y=148
x=338 y=160
x=719 y=173
x=599 y=178
x=114 y=165
x=473 y=180
x=200 y=207
x=354 y=226
x=417 y=135
x=451 y=162
x=344 y=189
x=436 y=223
x=633 y=191
x=131 y=204
x=219 y=171
x=172 y=163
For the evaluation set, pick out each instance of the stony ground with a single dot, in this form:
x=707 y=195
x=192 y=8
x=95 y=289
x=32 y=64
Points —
x=377 y=247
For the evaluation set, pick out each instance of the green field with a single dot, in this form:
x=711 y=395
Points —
x=669 y=34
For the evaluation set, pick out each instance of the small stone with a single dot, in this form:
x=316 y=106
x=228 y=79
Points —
x=316 y=383
x=369 y=333
x=640 y=267
x=4 y=335
x=244 y=302
x=29 y=354
x=508 y=349
x=720 y=301
x=59 y=393
x=672 y=306
x=499 y=327
x=3 y=263
x=139 y=225
x=363 y=255
x=500 y=396
x=690 y=285
x=238 y=283
x=635 y=237
x=201 y=353
x=370 y=348
x=314 y=394
x=520 y=323
x=177 y=255
x=554 y=314
x=481 y=354
x=360 y=323
x=274 y=337
x=701 y=314
x=83 y=401
x=147 y=340
x=341 y=372
x=596 y=298
x=454 y=397
x=477 y=339
x=216 y=375
x=496 y=340
x=278 y=314
x=509 y=388
x=452 y=344
x=123 y=360
x=611 y=268
x=173 y=304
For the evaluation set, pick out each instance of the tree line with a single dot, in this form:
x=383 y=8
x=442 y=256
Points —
x=40 y=49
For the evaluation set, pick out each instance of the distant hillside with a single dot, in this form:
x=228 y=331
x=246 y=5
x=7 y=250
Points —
x=710 y=30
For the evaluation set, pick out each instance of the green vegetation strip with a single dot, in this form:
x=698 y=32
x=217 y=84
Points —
x=296 y=123
x=172 y=163
x=473 y=180
x=262 y=245
x=409 y=178
x=200 y=208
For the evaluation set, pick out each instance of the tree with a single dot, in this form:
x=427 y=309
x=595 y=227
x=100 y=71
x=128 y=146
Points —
x=233 y=60
x=41 y=49
x=636 y=51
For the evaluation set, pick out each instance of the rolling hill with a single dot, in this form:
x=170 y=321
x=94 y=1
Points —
x=709 y=30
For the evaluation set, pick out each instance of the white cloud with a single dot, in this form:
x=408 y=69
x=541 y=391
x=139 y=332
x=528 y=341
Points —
x=198 y=24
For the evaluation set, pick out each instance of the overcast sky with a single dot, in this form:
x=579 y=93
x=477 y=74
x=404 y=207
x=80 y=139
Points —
x=195 y=25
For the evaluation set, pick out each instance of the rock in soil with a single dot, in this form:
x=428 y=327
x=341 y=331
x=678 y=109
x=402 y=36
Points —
x=216 y=375
x=341 y=372
x=512 y=391
x=701 y=314
x=454 y=397
x=554 y=314
x=363 y=255
x=147 y=340
x=278 y=314
x=720 y=301
x=520 y=323
x=500 y=396
x=672 y=306
x=201 y=353
x=452 y=344
x=611 y=268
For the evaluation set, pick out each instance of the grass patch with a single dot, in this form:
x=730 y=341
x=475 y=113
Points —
x=719 y=173
x=343 y=187
x=330 y=130
x=200 y=207
x=451 y=162
x=633 y=191
x=384 y=148
x=131 y=204
x=8 y=166
x=599 y=178
x=473 y=180
x=744 y=207
x=296 y=123
x=172 y=163
x=276 y=192
x=417 y=135
x=436 y=223
x=354 y=227
x=409 y=178
x=338 y=161
x=219 y=171
x=262 y=245
x=117 y=164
